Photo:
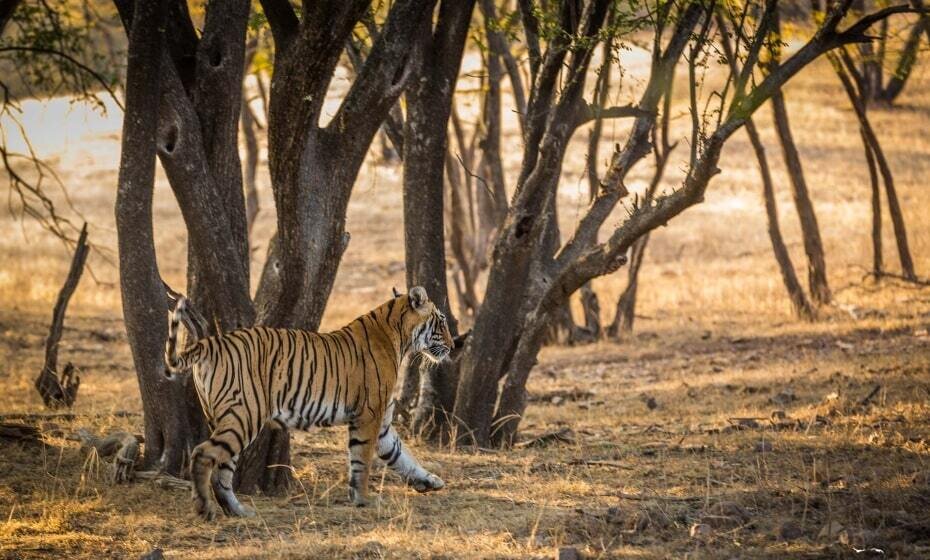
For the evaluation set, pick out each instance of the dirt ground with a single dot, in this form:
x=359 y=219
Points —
x=722 y=428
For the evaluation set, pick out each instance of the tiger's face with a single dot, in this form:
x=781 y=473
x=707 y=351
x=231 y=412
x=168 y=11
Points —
x=429 y=332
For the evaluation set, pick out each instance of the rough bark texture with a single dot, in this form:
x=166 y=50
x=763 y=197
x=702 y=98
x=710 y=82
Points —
x=171 y=430
x=498 y=323
x=313 y=167
x=429 y=104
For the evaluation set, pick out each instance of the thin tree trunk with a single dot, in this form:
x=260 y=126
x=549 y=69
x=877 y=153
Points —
x=799 y=302
x=61 y=389
x=813 y=245
x=894 y=207
x=877 y=258
x=251 y=164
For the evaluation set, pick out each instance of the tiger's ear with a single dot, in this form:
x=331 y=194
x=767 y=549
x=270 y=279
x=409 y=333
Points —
x=418 y=298
x=395 y=292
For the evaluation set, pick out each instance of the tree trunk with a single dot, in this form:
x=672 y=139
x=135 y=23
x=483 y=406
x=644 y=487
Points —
x=813 y=245
x=625 y=315
x=61 y=389
x=802 y=307
x=173 y=421
x=313 y=168
x=877 y=258
x=429 y=105
x=251 y=164
x=874 y=147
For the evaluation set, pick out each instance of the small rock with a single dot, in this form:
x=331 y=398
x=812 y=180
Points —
x=830 y=531
x=790 y=530
x=701 y=532
x=784 y=397
x=569 y=553
x=650 y=401
x=154 y=554
x=764 y=447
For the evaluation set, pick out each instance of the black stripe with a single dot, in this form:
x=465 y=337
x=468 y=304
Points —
x=356 y=442
x=223 y=444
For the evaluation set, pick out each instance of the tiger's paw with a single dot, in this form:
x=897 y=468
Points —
x=359 y=500
x=429 y=483
x=205 y=508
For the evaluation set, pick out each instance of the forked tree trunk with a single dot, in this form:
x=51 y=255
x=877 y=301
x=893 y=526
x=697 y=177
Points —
x=874 y=149
x=429 y=104
x=799 y=302
x=810 y=231
x=173 y=421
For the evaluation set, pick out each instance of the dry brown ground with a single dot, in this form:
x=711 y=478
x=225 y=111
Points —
x=715 y=342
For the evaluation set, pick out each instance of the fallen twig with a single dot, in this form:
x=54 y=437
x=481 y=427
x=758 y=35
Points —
x=164 y=480
x=870 y=396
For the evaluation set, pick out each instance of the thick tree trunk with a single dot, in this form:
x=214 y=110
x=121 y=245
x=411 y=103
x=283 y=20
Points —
x=429 y=105
x=173 y=422
x=813 y=245
x=515 y=273
x=313 y=168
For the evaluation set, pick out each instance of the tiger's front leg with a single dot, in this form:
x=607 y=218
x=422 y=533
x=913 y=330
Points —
x=362 y=442
x=391 y=450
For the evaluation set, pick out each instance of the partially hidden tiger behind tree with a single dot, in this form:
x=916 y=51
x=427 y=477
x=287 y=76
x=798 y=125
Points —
x=288 y=378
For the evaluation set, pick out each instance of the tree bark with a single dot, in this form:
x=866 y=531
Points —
x=313 y=168
x=514 y=270
x=61 y=390
x=877 y=257
x=875 y=149
x=813 y=245
x=172 y=425
x=799 y=302
x=429 y=105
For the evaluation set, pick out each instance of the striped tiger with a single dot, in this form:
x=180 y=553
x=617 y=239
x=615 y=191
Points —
x=288 y=378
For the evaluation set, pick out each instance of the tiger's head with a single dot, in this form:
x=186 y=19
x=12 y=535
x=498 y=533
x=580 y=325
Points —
x=429 y=331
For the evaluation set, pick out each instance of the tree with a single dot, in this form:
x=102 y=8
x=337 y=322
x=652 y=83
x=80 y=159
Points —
x=313 y=167
x=526 y=284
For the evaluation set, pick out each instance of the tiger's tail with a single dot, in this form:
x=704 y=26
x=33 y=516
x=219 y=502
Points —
x=176 y=363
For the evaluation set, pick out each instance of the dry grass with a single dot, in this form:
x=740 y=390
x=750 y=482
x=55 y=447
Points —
x=715 y=341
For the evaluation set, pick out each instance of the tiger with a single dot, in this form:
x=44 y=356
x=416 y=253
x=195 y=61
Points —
x=258 y=377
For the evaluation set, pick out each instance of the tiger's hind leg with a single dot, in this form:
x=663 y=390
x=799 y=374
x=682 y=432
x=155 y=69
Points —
x=223 y=444
x=223 y=490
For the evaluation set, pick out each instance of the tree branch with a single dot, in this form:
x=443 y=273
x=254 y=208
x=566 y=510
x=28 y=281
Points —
x=282 y=20
x=383 y=77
